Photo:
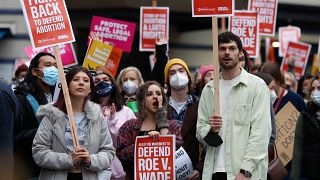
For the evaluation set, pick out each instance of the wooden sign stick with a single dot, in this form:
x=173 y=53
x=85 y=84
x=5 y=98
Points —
x=215 y=65
x=67 y=100
x=223 y=24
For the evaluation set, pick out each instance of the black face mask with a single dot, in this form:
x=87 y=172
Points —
x=103 y=89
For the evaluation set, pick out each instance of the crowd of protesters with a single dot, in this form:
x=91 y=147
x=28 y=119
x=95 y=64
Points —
x=233 y=141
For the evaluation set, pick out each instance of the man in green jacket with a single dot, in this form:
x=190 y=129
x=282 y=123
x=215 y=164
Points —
x=237 y=139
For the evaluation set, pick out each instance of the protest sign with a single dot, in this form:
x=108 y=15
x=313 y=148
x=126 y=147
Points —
x=209 y=8
x=47 y=22
x=154 y=159
x=286 y=34
x=267 y=11
x=183 y=164
x=97 y=55
x=114 y=60
x=117 y=33
x=245 y=24
x=286 y=120
x=67 y=53
x=297 y=52
x=154 y=23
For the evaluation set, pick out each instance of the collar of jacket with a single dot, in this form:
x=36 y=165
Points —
x=244 y=79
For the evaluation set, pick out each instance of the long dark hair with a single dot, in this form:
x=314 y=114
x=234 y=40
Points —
x=60 y=103
x=115 y=96
x=141 y=97
x=274 y=70
x=30 y=84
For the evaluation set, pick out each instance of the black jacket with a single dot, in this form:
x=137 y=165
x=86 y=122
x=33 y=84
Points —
x=24 y=132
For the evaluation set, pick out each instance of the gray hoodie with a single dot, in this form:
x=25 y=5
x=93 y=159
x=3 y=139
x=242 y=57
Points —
x=49 y=147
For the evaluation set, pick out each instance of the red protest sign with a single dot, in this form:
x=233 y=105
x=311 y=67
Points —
x=154 y=23
x=286 y=34
x=209 y=8
x=267 y=11
x=114 y=60
x=154 y=159
x=245 y=24
x=299 y=53
x=47 y=22
x=118 y=33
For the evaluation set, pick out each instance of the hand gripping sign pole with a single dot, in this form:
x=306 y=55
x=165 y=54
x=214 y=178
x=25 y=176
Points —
x=67 y=100
x=215 y=65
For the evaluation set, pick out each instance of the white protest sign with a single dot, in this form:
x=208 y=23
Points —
x=183 y=164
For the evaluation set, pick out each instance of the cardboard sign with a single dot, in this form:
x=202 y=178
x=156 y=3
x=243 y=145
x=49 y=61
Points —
x=209 y=8
x=267 y=11
x=286 y=34
x=67 y=53
x=183 y=164
x=245 y=24
x=47 y=22
x=299 y=53
x=286 y=120
x=154 y=159
x=97 y=55
x=117 y=33
x=154 y=23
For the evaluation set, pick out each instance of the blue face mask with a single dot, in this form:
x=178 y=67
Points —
x=50 y=75
x=103 y=89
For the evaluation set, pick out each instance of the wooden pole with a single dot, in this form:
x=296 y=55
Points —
x=223 y=24
x=154 y=3
x=67 y=100
x=215 y=65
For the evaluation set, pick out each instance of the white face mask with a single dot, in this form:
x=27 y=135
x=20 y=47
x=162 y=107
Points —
x=179 y=81
x=130 y=87
x=315 y=96
x=273 y=96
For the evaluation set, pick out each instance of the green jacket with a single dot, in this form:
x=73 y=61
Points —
x=248 y=128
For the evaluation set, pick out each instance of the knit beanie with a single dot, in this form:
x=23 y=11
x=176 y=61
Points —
x=204 y=69
x=172 y=62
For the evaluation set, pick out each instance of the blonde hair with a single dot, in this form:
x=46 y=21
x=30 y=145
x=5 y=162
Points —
x=125 y=70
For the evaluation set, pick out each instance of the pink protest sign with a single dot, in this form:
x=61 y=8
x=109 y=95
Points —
x=67 y=53
x=117 y=33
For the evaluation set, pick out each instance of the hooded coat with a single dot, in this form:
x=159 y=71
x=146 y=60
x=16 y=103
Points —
x=49 y=148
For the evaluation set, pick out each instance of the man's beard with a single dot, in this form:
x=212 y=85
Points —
x=228 y=67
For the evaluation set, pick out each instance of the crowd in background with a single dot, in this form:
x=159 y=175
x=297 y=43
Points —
x=111 y=111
